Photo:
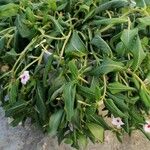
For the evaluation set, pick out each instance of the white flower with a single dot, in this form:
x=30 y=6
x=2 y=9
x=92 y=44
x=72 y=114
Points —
x=117 y=122
x=146 y=127
x=25 y=77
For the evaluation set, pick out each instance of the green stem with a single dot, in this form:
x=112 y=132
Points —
x=8 y=29
x=55 y=38
x=138 y=78
x=104 y=93
x=23 y=53
x=64 y=45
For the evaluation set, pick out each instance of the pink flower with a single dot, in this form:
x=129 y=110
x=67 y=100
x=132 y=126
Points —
x=25 y=77
x=117 y=122
x=146 y=127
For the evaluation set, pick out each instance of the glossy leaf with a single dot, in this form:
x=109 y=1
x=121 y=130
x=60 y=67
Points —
x=76 y=46
x=13 y=92
x=128 y=37
x=22 y=28
x=9 y=10
x=107 y=66
x=40 y=102
x=99 y=43
x=117 y=87
x=73 y=69
x=54 y=122
x=111 y=4
x=16 y=108
x=119 y=101
x=138 y=54
x=69 y=99
x=145 y=97
x=109 y=21
x=98 y=120
x=113 y=108
x=58 y=26
x=97 y=131
x=82 y=140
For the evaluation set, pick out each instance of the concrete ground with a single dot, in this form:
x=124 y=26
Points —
x=30 y=138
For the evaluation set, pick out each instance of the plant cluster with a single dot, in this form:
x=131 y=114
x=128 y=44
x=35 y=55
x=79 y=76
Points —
x=76 y=67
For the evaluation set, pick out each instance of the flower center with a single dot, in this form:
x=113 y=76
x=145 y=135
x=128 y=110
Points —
x=148 y=126
x=118 y=120
x=24 y=77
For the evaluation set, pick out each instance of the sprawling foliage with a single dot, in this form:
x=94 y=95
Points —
x=86 y=62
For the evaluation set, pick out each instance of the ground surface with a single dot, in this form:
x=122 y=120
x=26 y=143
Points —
x=29 y=138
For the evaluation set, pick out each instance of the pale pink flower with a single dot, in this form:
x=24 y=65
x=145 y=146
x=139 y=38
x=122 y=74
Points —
x=146 y=127
x=117 y=122
x=24 y=77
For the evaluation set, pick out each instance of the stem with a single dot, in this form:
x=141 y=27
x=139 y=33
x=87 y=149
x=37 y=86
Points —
x=40 y=58
x=106 y=28
x=64 y=45
x=11 y=29
x=142 y=83
x=55 y=38
x=81 y=102
x=83 y=79
x=23 y=53
x=104 y=93
x=7 y=73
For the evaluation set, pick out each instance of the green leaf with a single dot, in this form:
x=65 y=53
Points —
x=117 y=87
x=15 y=108
x=138 y=54
x=13 y=92
x=128 y=37
x=54 y=122
x=8 y=10
x=10 y=56
x=57 y=24
x=142 y=3
x=47 y=69
x=109 y=21
x=136 y=116
x=120 y=49
x=145 y=97
x=97 y=131
x=52 y=4
x=108 y=66
x=75 y=46
x=91 y=110
x=119 y=101
x=23 y=29
x=143 y=22
x=40 y=102
x=98 y=120
x=17 y=120
x=87 y=92
x=113 y=108
x=101 y=45
x=73 y=68
x=30 y=14
x=69 y=99
x=111 y=5
x=82 y=141
x=56 y=93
